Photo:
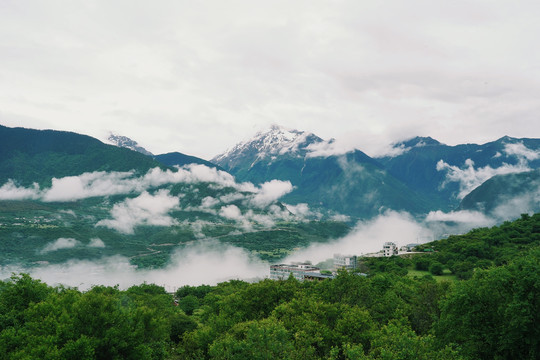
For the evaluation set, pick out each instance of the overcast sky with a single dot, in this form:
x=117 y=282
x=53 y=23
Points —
x=198 y=76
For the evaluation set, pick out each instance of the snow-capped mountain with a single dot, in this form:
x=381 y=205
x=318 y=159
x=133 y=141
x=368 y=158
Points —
x=268 y=146
x=352 y=183
x=125 y=142
x=420 y=174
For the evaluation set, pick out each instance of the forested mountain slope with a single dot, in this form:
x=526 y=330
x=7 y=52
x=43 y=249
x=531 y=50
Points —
x=29 y=156
x=448 y=173
x=352 y=184
x=505 y=193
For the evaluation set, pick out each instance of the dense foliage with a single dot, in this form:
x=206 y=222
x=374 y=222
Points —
x=386 y=315
x=485 y=247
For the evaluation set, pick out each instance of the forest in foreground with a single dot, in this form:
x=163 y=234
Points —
x=489 y=310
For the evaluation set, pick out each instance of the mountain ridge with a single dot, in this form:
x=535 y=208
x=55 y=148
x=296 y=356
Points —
x=29 y=155
x=338 y=183
x=125 y=142
x=431 y=173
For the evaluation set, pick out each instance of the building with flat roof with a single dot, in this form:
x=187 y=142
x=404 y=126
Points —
x=390 y=249
x=315 y=276
x=346 y=262
x=299 y=271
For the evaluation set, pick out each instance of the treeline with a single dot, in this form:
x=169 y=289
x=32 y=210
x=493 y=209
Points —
x=462 y=255
x=492 y=315
x=487 y=247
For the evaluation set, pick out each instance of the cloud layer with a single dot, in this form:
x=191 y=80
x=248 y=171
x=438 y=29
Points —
x=468 y=177
x=210 y=262
x=72 y=188
x=145 y=209
x=207 y=262
x=369 y=237
x=61 y=243
x=148 y=205
x=194 y=77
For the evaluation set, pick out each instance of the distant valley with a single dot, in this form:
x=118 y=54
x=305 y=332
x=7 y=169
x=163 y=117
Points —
x=69 y=196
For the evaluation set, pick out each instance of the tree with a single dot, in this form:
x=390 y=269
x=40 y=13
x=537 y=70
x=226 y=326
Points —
x=495 y=314
x=422 y=262
x=259 y=340
x=396 y=340
x=436 y=268
x=189 y=304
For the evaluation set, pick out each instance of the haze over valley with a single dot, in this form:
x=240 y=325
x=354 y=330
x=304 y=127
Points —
x=77 y=211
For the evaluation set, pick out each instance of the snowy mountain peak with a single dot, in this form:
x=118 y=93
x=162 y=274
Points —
x=125 y=142
x=277 y=141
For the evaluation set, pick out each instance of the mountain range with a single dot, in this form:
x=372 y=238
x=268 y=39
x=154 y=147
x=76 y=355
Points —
x=421 y=175
x=64 y=194
x=69 y=196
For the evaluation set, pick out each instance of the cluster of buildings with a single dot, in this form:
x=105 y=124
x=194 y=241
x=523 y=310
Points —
x=306 y=271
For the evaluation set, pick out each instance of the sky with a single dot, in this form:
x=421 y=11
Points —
x=199 y=76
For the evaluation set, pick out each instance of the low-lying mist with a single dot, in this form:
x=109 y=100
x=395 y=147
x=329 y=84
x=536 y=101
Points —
x=206 y=262
x=210 y=262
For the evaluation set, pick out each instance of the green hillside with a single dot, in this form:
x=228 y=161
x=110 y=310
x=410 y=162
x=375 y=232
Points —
x=28 y=227
x=128 y=204
x=523 y=187
x=29 y=156
x=417 y=165
x=492 y=315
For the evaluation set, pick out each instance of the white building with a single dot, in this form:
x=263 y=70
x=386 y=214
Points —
x=389 y=249
x=282 y=271
x=347 y=262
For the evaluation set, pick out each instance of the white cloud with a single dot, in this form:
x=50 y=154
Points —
x=340 y=217
x=146 y=209
x=100 y=183
x=270 y=191
x=471 y=218
x=205 y=262
x=395 y=150
x=329 y=148
x=456 y=222
x=367 y=237
x=521 y=151
x=507 y=208
x=96 y=243
x=209 y=262
x=87 y=185
x=231 y=212
x=302 y=211
x=232 y=197
x=10 y=191
x=469 y=177
x=209 y=202
x=511 y=207
x=61 y=243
